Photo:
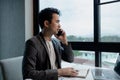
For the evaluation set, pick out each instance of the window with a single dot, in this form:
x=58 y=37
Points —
x=84 y=57
x=109 y=28
x=110 y=25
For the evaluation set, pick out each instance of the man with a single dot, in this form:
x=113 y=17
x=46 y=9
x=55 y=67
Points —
x=43 y=54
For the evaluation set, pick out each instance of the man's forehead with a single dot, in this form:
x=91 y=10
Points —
x=55 y=16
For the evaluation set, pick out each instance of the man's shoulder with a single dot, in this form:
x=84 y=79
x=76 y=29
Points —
x=34 y=39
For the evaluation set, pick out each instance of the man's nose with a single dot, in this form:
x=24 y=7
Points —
x=59 y=26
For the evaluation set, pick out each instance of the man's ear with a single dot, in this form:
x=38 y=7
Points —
x=46 y=23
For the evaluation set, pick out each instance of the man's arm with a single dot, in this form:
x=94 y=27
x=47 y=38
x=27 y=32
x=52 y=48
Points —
x=67 y=53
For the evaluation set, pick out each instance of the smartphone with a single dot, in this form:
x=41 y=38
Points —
x=59 y=32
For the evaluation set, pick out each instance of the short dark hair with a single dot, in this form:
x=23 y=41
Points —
x=46 y=14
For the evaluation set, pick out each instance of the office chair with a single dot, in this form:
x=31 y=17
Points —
x=12 y=68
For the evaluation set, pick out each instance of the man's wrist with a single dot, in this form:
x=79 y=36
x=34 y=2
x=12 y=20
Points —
x=59 y=72
x=65 y=43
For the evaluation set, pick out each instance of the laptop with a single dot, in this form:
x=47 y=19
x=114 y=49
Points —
x=107 y=74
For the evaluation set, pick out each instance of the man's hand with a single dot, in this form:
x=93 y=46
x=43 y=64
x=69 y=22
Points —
x=67 y=72
x=62 y=37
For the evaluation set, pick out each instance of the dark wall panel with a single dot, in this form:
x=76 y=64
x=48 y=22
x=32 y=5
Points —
x=12 y=28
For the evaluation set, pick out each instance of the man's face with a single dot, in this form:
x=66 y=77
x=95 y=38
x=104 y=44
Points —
x=55 y=24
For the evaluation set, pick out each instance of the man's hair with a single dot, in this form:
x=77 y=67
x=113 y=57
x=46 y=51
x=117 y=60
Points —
x=46 y=14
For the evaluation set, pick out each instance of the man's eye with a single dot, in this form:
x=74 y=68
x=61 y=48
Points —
x=58 y=21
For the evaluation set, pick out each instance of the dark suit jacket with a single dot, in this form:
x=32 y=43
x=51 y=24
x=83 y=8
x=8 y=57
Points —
x=36 y=63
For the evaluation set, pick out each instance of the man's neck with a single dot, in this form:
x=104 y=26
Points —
x=46 y=35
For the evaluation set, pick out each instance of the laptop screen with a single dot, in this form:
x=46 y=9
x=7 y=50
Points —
x=117 y=65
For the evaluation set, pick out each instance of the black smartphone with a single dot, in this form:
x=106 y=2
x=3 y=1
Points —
x=59 y=33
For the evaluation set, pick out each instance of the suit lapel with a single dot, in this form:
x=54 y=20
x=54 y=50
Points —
x=41 y=38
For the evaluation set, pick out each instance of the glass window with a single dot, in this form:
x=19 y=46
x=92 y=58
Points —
x=110 y=22
x=106 y=0
x=84 y=57
x=76 y=18
x=109 y=59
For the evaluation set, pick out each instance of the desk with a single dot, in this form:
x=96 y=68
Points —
x=76 y=66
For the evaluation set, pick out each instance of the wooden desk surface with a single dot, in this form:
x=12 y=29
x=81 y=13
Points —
x=76 y=66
